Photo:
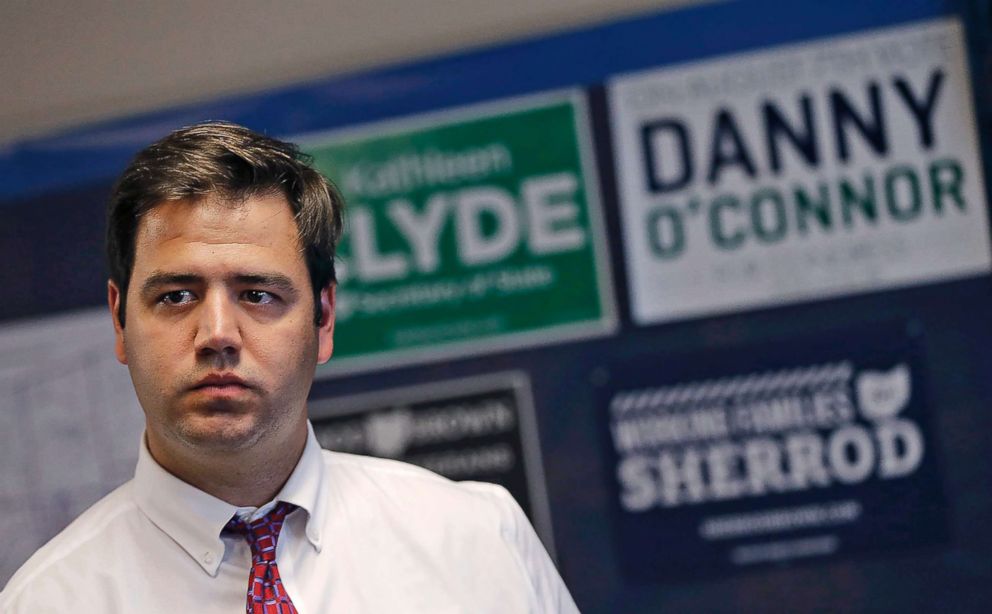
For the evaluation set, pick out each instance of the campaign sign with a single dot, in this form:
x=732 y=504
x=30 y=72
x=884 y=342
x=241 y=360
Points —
x=771 y=455
x=481 y=429
x=468 y=230
x=815 y=170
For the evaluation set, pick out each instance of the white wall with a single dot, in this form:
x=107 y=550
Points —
x=65 y=63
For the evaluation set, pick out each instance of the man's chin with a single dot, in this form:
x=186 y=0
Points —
x=219 y=431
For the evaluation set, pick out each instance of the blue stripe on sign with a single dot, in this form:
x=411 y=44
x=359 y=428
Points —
x=582 y=57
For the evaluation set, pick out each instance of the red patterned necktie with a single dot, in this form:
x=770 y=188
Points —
x=266 y=594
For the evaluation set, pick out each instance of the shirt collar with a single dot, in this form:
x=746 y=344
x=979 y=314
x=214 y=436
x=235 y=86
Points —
x=305 y=488
x=194 y=518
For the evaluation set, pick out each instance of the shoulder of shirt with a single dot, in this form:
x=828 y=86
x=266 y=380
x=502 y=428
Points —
x=397 y=473
x=481 y=509
x=81 y=533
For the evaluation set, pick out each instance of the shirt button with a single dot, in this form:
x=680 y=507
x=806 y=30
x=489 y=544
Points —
x=208 y=558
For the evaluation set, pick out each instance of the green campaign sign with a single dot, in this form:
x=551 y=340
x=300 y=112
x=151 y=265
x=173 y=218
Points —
x=468 y=231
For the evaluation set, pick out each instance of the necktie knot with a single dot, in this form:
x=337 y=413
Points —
x=262 y=534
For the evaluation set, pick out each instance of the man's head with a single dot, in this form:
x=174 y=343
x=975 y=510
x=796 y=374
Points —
x=221 y=245
x=233 y=163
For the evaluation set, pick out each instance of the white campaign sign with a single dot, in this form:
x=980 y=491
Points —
x=822 y=169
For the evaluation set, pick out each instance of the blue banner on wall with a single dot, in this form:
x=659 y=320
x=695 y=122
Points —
x=766 y=455
x=99 y=152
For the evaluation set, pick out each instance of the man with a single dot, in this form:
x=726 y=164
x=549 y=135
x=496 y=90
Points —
x=221 y=248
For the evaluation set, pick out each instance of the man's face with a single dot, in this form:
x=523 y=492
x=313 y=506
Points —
x=220 y=336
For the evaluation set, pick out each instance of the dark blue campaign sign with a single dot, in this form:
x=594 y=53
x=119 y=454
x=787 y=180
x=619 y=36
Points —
x=765 y=455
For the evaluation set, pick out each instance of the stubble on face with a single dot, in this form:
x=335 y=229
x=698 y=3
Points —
x=240 y=421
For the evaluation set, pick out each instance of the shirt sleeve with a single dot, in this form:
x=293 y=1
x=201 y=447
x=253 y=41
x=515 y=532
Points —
x=548 y=594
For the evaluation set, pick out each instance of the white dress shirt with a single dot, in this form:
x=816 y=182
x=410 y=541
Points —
x=370 y=535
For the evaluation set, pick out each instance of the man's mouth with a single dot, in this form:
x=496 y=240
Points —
x=221 y=384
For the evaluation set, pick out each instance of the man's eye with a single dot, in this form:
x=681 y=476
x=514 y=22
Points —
x=259 y=297
x=176 y=297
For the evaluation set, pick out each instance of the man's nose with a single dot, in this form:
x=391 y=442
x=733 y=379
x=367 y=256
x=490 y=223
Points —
x=218 y=327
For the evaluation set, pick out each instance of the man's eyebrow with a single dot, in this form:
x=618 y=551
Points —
x=161 y=278
x=268 y=280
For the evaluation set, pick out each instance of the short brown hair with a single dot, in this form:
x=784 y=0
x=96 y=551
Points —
x=233 y=162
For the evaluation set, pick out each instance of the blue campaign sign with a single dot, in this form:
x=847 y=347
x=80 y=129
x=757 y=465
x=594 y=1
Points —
x=768 y=455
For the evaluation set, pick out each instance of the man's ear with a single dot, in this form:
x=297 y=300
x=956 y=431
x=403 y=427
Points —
x=325 y=331
x=114 y=302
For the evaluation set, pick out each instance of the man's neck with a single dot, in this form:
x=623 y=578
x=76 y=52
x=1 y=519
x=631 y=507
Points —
x=245 y=478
